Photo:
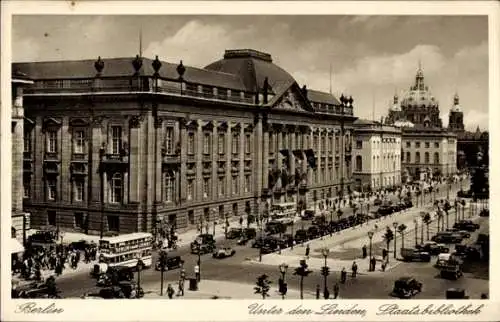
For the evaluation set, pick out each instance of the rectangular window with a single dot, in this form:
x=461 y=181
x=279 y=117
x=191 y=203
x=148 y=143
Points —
x=247 y=183
x=408 y=144
x=221 y=144
x=235 y=185
x=116 y=139
x=417 y=145
x=78 y=190
x=206 y=187
x=169 y=187
x=206 y=143
x=27 y=141
x=248 y=148
x=116 y=189
x=190 y=189
x=52 y=141
x=79 y=219
x=436 y=145
x=359 y=144
x=113 y=223
x=236 y=143
x=221 y=186
x=51 y=189
x=169 y=140
x=190 y=143
x=78 y=141
x=427 y=145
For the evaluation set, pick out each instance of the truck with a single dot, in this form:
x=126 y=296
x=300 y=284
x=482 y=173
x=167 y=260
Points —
x=413 y=254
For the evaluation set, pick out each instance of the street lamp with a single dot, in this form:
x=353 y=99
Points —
x=326 y=271
x=370 y=235
x=198 y=247
x=395 y=225
x=283 y=268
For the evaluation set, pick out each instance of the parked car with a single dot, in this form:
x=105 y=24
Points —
x=444 y=259
x=484 y=213
x=224 y=252
x=301 y=236
x=308 y=214
x=234 y=233
x=456 y=294
x=406 y=287
x=319 y=220
x=447 y=238
x=250 y=233
x=173 y=262
x=79 y=245
x=434 y=248
x=462 y=233
x=285 y=241
x=204 y=243
x=313 y=232
x=414 y=254
x=274 y=227
x=466 y=225
x=385 y=210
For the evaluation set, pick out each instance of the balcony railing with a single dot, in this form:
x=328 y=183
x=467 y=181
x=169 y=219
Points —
x=115 y=158
x=171 y=159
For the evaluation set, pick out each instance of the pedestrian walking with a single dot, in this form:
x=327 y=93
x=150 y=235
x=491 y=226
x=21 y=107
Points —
x=170 y=291
x=308 y=249
x=181 y=288
x=374 y=263
x=363 y=249
x=336 y=289
x=384 y=265
x=317 y=291
x=354 y=269
x=197 y=273
x=343 y=275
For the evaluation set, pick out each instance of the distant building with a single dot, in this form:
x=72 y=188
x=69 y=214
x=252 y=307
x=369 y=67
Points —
x=123 y=145
x=376 y=155
x=428 y=149
x=468 y=143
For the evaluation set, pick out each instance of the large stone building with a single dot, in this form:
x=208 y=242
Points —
x=428 y=149
x=468 y=143
x=20 y=219
x=376 y=155
x=120 y=145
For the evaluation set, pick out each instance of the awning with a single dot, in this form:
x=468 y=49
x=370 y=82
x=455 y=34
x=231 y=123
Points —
x=16 y=246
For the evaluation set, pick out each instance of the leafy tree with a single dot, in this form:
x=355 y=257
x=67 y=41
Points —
x=401 y=230
x=302 y=271
x=427 y=220
x=263 y=286
x=388 y=236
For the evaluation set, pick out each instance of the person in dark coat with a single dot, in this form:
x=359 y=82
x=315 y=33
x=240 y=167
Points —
x=343 y=275
x=363 y=249
x=317 y=291
x=336 y=289
x=308 y=249
x=354 y=269
x=170 y=291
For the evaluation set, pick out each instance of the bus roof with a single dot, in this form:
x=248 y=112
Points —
x=125 y=237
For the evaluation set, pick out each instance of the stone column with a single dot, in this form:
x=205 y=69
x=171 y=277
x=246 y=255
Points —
x=241 y=154
x=265 y=160
x=279 y=160
x=135 y=161
x=65 y=158
x=158 y=141
x=181 y=136
x=199 y=162
x=38 y=149
x=258 y=161
x=17 y=149
x=229 y=153
x=214 y=194
x=97 y=139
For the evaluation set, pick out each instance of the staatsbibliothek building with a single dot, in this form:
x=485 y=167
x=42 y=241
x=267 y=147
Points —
x=121 y=145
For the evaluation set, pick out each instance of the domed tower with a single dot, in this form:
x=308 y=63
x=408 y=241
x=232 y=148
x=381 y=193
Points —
x=456 y=117
x=395 y=112
x=419 y=106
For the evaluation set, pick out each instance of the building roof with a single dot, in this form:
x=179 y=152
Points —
x=419 y=95
x=123 y=67
x=252 y=67
x=322 y=97
x=473 y=136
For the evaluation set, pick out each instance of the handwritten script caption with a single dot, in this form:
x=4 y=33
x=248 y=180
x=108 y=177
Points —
x=357 y=310
x=34 y=308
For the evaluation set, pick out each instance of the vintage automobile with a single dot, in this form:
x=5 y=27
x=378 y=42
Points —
x=456 y=294
x=223 y=252
x=434 y=248
x=275 y=227
x=204 y=244
x=249 y=233
x=447 y=238
x=125 y=289
x=414 y=254
x=301 y=236
x=406 y=287
x=173 y=262
x=234 y=233
x=452 y=269
x=462 y=233
x=308 y=214
x=484 y=213
x=467 y=225
x=115 y=274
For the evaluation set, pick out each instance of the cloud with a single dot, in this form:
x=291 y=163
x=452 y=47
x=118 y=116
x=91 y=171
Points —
x=474 y=118
x=25 y=50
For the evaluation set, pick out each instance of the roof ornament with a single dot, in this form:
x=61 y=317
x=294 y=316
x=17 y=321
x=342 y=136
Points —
x=265 y=89
x=99 y=65
x=137 y=64
x=156 y=65
x=181 y=70
x=342 y=99
x=350 y=100
x=456 y=99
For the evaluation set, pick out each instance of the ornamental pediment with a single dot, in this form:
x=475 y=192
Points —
x=292 y=100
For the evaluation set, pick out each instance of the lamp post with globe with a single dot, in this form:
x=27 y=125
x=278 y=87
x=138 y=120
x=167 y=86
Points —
x=370 y=236
x=325 y=271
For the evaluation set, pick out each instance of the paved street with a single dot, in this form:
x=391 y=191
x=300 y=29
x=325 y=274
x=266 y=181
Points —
x=243 y=268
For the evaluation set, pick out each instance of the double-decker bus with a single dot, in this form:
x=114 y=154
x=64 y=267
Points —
x=125 y=250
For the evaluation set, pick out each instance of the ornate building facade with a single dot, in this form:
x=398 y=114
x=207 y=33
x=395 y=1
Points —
x=428 y=149
x=468 y=143
x=120 y=145
x=376 y=155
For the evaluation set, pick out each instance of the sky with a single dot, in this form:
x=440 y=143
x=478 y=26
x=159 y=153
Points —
x=368 y=57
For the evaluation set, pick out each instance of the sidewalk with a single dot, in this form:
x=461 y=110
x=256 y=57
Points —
x=224 y=290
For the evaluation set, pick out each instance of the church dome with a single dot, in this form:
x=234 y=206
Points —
x=419 y=95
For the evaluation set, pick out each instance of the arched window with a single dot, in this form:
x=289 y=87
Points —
x=359 y=163
x=436 y=157
x=116 y=188
x=426 y=156
x=408 y=157
x=417 y=157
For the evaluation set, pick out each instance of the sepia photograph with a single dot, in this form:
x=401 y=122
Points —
x=249 y=157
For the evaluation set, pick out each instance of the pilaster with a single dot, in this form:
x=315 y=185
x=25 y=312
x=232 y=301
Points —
x=135 y=162
x=65 y=150
x=199 y=164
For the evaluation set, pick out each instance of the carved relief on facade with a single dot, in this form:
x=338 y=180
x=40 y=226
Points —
x=135 y=121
